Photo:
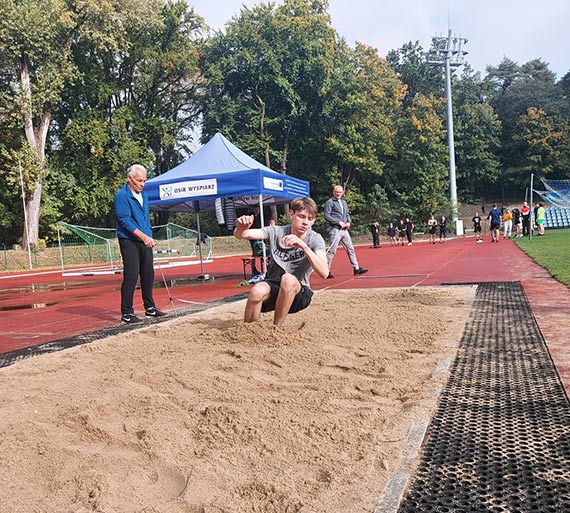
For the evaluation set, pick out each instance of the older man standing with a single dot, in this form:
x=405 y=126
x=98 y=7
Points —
x=338 y=217
x=132 y=215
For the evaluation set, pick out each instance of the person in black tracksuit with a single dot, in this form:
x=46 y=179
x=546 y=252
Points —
x=375 y=231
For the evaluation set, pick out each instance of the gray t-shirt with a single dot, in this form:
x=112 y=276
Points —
x=290 y=260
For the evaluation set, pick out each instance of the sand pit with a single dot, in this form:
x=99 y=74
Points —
x=206 y=414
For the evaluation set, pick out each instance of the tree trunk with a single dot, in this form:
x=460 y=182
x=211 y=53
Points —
x=37 y=140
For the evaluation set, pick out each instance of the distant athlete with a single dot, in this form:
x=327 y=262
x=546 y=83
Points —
x=432 y=226
x=477 y=226
x=494 y=219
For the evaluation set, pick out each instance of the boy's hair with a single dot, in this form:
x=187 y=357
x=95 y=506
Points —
x=307 y=204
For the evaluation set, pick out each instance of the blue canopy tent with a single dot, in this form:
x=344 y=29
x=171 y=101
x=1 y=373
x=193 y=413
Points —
x=219 y=170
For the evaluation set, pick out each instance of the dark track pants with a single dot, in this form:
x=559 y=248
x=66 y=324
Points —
x=137 y=261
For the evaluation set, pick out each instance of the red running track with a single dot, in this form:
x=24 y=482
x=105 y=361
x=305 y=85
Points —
x=41 y=307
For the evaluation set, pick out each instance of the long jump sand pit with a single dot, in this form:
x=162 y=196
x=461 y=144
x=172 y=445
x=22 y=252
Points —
x=206 y=414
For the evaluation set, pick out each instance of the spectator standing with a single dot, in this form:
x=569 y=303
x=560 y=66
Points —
x=517 y=222
x=337 y=215
x=132 y=216
x=477 y=227
x=432 y=227
x=409 y=230
x=540 y=217
x=494 y=219
x=507 y=224
x=375 y=231
x=534 y=216
x=525 y=219
x=442 y=229
x=401 y=232
x=392 y=234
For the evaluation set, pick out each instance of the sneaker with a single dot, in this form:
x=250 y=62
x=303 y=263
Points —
x=154 y=312
x=409 y=243
x=330 y=276
x=360 y=270
x=130 y=318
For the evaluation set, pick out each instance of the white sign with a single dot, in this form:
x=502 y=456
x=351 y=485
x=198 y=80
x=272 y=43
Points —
x=189 y=189
x=273 y=184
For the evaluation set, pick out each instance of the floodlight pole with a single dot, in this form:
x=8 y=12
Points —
x=447 y=52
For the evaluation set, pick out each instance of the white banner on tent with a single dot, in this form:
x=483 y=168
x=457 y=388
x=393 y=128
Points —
x=189 y=188
x=272 y=184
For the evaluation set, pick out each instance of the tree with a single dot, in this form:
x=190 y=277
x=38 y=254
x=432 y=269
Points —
x=514 y=90
x=360 y=128
x=477 y=133
x=540 y=141
x=35 y=41
x=138 y=103
x=416 y=180
x=267 y=76
x=409 y=63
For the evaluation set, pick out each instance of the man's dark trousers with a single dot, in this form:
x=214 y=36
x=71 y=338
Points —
x=137 y=260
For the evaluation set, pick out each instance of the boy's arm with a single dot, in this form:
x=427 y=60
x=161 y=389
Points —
x=243 y=230
x=317 y=259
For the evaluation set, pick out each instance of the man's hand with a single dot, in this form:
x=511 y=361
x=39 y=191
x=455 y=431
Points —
x=149 y=242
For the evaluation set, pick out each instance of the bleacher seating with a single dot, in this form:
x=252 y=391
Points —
x=557 y=217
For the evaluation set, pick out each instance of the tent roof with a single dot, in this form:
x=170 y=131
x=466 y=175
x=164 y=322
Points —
x=220 y=169
x=217 y=156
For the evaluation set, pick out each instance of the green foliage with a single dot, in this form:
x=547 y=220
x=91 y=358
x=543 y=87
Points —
x=551 y=252
x=417 y=179
x=477 y=132
x=409 y=63
x=124 y=81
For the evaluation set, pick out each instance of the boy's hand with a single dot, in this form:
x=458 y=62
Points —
x=293 y=241
x=244 y=222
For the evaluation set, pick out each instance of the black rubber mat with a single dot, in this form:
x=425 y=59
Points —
x=500 y=438
x=12 y=357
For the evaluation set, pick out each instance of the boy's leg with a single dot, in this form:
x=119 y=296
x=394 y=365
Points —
x=290 y=286
x=257 y=295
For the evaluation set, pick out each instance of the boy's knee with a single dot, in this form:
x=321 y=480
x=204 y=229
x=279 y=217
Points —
x=259 y=292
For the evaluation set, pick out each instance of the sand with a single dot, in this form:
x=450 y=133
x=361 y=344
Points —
x=206 y=414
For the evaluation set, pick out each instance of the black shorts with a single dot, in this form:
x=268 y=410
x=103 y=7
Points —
x=432 y=230
x=301 y=301
x=477 y=228
x=495 y=226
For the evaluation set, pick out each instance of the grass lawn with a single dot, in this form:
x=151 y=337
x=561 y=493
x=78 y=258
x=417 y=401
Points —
x=551 y=251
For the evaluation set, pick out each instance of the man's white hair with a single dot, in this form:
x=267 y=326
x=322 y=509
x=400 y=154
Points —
x=135 y=167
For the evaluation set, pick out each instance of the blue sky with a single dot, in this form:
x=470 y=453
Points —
x=519 y=29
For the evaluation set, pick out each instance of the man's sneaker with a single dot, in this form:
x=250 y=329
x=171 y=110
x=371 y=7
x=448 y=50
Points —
x=154 y=312
x=130 y=318
x=330 y=276
x=360 y=270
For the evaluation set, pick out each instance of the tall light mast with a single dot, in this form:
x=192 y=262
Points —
x=448 y=52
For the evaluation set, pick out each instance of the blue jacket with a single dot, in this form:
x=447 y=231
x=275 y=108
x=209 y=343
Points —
x=130 y=215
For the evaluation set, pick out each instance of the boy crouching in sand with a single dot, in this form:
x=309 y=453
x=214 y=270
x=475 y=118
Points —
x=295 y=250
